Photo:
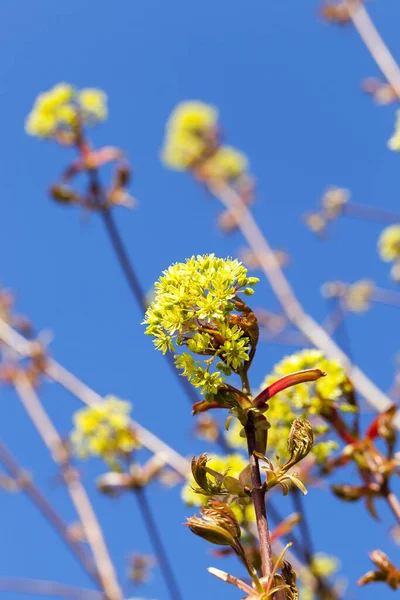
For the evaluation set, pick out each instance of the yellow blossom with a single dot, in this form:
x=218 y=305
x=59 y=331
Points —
x=227 y=163
x=191 y=135
x=104 y=430
x=181 y=150
x=389 y=243
x=192 y=116
x=324 y=565
x=196 y=305
x=60 y=108
x=93 y=103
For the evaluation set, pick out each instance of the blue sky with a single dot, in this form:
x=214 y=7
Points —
x=288 y=89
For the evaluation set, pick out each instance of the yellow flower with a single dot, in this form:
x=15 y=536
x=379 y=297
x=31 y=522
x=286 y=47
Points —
x=57 y=96
x=57 y=110
x=233 y=437
x=93 y=103
x=181 y=150
x=227 y=163
x=192 y=116
x=104 y=430
x=190 y=134
x=389 y=243
x=324 y=565
x=40 y=125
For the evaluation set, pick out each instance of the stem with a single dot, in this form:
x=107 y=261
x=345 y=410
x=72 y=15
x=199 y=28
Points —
x=158 y=546
x=47 y=510
x=123 y=259
x=370 y=213
x=258 y=497
x=47 y=588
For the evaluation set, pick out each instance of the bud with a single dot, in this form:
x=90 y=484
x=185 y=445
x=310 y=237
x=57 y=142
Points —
x=199 y=472
x=338 y=14
x=122 y=175
x=64 y=194
x=289 y=577
x=386 y=572
x=217 y=524
x=349 y=493
x=300 y=442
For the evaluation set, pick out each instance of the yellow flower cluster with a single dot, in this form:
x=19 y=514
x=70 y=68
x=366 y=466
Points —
x=394 y=142
x=104 y=430
x=194 y=306
x=231 y=464
x=192 y=139
x=60 y=108
x=389 y=243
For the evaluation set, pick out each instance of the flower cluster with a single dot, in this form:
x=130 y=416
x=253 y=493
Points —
x=197 y=306
x=230 y=464
x=63 y=108
x=389 y=248
x=193 y=141
x=104 y=430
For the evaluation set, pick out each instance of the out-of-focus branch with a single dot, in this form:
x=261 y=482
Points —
x=88 y=396
x=375 y=44
x=77 y=492
x=41 y=502
x=158 y=545
x=269 y=265
x=48 y=588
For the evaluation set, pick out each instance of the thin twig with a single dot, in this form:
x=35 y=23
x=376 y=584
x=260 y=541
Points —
x=77 y=492
x=47 y=510
x=158 y=546
x=375 y=44
x=370 y=213
x=288 y=300
x=47 y=588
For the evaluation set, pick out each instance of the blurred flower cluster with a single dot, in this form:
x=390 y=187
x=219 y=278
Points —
x=389 y=248
x=104 y=430
x=193 y=141
x=63 y=109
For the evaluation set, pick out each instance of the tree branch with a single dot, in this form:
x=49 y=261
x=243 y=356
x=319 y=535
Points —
x=77 y=492
x=47 y=588
x=47 y=510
